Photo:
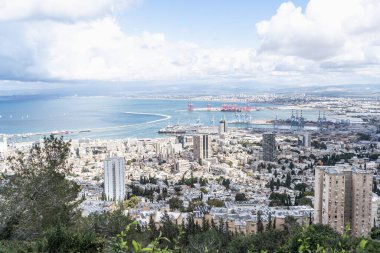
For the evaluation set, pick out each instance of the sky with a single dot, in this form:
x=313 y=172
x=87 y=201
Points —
x=255 y=42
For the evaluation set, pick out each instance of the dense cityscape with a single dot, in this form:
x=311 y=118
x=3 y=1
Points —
x=241 y=179
x=201 y=126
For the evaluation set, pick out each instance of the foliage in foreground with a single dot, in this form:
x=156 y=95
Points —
x=38 y=196
x=171 y=238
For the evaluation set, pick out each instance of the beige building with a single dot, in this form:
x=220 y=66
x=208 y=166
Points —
x=375 y=217
x=343 y=195
x=202 y=147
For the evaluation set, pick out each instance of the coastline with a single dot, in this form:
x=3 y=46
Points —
x=78 y=131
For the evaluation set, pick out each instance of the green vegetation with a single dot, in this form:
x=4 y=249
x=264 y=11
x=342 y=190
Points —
x=364 y=137
x=192 y=180
x=330 y=160
x=38 y=196
x=318 y=145
x=279 y=199
x=215 y=202
x=131 y=202
x=175 y=203
x=195 y=203
x=240 y=197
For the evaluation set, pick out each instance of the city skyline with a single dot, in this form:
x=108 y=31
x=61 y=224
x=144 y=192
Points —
x=190 y=126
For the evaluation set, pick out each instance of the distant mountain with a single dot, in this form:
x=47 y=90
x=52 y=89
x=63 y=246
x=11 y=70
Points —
x=174 y=88
x=336 y=90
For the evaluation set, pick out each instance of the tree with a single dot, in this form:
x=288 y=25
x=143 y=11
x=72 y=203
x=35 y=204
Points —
x=279 y=199
x=288 y=180
x=208 y=241
x=271 y=185
x=240 y=197
x=175 y=203
x=226 y=183
x=104 y=224
x=260 y=225
x=215 y=202
x=269 y=225
x=131 y=202
x=291 y=224
x=194 y=203
x=305 y=202
x=38 y=196
x=166 y=181
x=62 y=239
x=300 y=187
x=169 y=230
x=278 y=184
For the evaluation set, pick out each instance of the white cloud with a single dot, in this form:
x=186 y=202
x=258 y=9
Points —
x=339 y=35
x=99 y=50
x=328 y=42
x=58 y=9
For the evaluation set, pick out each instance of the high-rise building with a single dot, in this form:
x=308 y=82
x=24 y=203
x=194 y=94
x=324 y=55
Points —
x=202 y=147
x=304 y=139
x=343 y=195
x=222 y=126
x=269 y=147
x=114 y=179
x=158 y=148
x=375 y=212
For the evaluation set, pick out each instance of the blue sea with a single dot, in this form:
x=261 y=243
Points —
x=107 y=117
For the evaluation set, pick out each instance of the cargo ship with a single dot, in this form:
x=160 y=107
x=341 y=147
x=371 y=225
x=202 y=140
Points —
x=235 y=108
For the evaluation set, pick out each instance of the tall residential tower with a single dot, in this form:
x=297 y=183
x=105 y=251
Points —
x=222 y=126
x=114 y=179
x=269 y=147
x=343 y=195
x=202 y=147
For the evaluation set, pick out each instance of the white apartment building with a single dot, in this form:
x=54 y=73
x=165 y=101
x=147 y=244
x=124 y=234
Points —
x=114 y=179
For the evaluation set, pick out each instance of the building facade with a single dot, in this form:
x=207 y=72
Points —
x=343 y=195
x=202 y=147
x=375 y=216
x=269 y=147
x=304 y=139
x=114 y=179
x=222 y=127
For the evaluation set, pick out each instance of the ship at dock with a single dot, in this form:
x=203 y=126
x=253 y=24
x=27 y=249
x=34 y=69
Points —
x=235 y=108
x=181 y=129
x=175 y=129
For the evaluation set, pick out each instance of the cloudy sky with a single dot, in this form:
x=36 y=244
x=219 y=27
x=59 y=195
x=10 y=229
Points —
x=273 y=42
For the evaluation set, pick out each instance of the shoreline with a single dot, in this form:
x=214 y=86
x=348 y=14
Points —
x=78 y=131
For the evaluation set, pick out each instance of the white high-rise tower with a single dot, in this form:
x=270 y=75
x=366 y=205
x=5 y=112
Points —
x=114 y=178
